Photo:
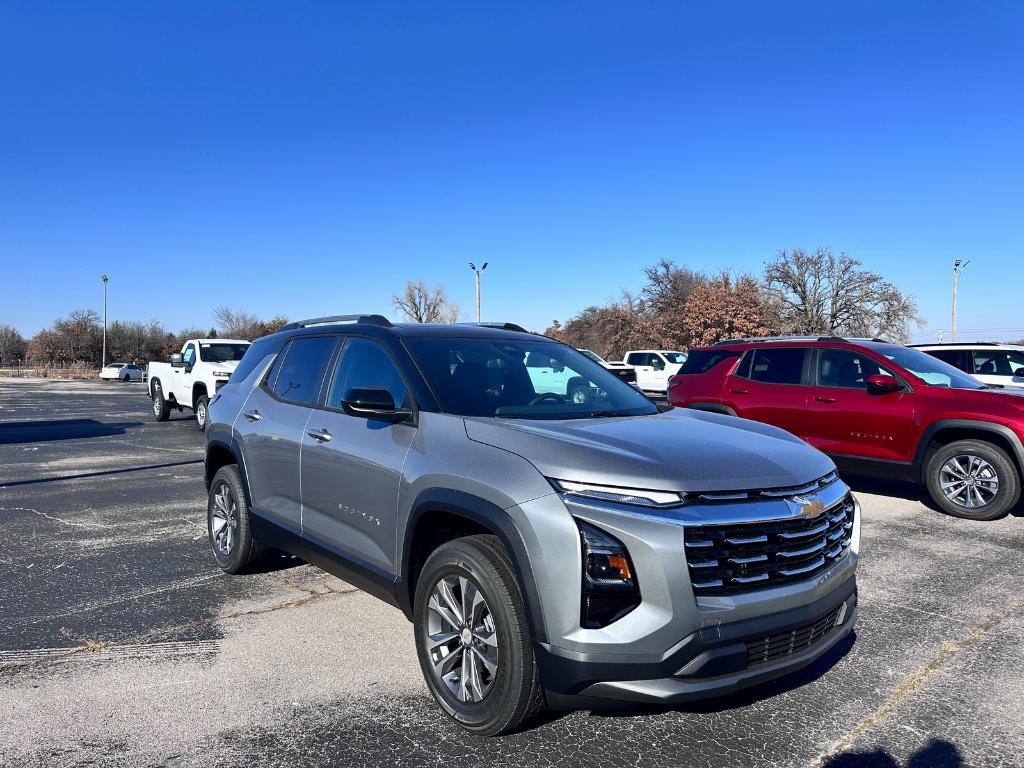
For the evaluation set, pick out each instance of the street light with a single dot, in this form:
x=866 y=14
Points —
x=477 y=272
x=958 y=267
x=104 y=278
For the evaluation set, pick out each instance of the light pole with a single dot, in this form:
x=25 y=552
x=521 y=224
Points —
x=104 y=278
x=958 y=267
x=477 y=272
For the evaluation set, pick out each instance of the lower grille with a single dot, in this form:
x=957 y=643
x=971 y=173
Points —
x=771 y=647
x=727 y=559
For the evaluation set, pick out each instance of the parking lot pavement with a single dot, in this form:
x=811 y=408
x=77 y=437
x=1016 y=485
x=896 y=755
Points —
x=121 y=643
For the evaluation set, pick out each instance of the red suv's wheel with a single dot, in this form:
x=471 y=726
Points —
x=972 y=479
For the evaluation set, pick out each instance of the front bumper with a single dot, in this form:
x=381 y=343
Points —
x=713 y=661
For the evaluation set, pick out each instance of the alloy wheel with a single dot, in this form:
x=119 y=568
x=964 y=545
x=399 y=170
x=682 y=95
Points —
x=224 y=520
x=461 y=638
x=969 y=481
x=156 y=400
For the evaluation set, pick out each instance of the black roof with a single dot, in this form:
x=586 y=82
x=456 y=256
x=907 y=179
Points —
x=378 y=326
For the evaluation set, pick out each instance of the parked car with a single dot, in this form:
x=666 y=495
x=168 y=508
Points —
x=878 y=409
x=654 y=367
x=122 y=372
x=990 y=363
x=547 y=551
x=193 y=376
x=625 y=372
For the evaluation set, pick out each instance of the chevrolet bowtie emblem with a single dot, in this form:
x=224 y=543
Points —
x=807 y=507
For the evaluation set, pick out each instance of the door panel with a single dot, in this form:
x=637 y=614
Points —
x=771 y=390
x=352 y=465
x=847 y=418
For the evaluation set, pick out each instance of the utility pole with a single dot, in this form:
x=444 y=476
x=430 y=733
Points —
x=477 y=272
x=958 y=267
x=103 y=363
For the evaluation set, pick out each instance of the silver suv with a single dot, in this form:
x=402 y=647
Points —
x=550 y=548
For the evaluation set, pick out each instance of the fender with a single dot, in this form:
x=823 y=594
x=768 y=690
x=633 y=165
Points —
x=982 y=426
x=223 y=438
x=489 y=516
x=725 y=410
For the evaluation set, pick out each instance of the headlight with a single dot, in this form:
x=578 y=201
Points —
x=634 y=496
x=610 y=588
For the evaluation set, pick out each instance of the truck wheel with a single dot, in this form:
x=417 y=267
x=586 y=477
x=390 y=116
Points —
x=202 y=412
x=161 y=408
x=472 y=638
x=125 y=379
x=227 y=522
x=972 y=479
x=579 y=394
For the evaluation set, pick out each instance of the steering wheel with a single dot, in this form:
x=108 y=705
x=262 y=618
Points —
x=547 y=396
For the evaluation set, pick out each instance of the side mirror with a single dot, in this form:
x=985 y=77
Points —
x=883 y=383
x=372 y=401
x=658 y=364
x=177 y=361
x=1019 y=372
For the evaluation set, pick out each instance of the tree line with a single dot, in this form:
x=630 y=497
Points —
x=78 y=338
x=799 y=292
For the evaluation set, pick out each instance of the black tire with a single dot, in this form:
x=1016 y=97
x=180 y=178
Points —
x=243 y=551
x=1006 y=485
x=202 y=411
x=125 y=379
x=579 y=394
x=161 y=408
x=514 y=692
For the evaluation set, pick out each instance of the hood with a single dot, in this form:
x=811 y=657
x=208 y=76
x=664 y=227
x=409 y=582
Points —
x=679 y=450
x=227 y=365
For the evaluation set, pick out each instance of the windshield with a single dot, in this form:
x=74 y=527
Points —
x=592 y=355
x=522 y=379
x=222 y=353
x=930 y=370
x=676 y=358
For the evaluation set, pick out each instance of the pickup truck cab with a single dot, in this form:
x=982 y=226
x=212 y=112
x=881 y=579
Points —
x=654 y=367
x=193 y=376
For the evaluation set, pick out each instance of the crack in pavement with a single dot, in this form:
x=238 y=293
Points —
x=55 y=519
x=913 y=682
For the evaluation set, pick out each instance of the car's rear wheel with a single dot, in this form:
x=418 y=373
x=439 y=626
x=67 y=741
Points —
x=202 y=412
x=972 y=479
x=472 y=637
x=227 y=522
x=161 y=408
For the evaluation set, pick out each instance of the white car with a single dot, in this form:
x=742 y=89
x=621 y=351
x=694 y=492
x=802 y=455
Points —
x=193 y=376
x=991 y=363
x=654 y=367
x=122 y=372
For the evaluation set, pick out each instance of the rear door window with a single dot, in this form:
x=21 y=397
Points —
x=299 y=371
x=955 y=357
x=997 y=362
x=637 y=358
x=778 y=365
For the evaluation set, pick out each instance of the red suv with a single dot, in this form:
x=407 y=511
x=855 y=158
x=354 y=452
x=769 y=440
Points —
x=876 y=408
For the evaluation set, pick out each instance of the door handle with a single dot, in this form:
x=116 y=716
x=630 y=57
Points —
x=737 y=391
x=253 y=415
x=320 y=434
x=824 y=399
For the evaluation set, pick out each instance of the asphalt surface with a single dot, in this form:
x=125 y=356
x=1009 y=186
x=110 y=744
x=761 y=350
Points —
x=121 y=643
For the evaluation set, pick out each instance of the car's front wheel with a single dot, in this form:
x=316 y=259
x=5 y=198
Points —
x=227 y=522
x=202 y=412
x=472 y=637
x=972 y=479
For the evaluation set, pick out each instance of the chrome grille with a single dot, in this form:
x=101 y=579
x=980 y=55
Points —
x=771 y=647
x=726 y=559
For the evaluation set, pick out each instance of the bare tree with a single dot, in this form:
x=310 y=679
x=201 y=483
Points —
x=422 y=304
x=669 y=286
x=821 y=293
x=245 y=325
x=12 y=345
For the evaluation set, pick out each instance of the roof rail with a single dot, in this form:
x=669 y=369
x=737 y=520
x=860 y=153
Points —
x=503 y=326
x=365 y=319
x=747 y=339
x=961 y=344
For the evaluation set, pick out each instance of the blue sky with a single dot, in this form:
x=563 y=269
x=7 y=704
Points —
x=307 y=158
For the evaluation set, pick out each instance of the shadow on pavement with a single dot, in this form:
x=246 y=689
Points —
x=903 y=490
x=937 y=754
x=14 y=432
x=100 y=473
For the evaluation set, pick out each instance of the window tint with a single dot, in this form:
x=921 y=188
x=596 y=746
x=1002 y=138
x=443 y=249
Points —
x=997 y=362
x=365 y=365
x=843 y=368
x=637 y=358
x=253 y=357
x=775 y=365
x=704 y=360
x=189 y=355
x=303 y=368
x=222 y=353
x=955 y=357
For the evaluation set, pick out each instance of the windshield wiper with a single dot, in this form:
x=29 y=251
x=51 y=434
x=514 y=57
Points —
x=603 y=414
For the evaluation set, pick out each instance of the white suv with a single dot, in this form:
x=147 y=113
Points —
x=990 y=363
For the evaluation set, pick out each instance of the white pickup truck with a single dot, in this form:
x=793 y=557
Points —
x=654 y=367
x=193 y=376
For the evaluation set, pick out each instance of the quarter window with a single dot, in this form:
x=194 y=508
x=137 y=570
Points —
x=304 y=363
x=778 y=365
x=365 y=365
x=997 y=362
